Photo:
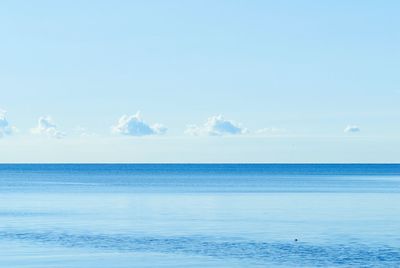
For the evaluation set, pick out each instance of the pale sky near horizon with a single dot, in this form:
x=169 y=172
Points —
x=293 y=81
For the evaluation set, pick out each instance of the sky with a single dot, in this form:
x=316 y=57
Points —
x=200 y=81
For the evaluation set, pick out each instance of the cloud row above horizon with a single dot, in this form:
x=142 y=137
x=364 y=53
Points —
x=135 y=126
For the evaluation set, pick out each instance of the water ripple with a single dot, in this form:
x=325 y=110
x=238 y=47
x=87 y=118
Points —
x=257 y=252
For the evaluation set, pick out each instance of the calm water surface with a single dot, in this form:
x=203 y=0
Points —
x=199 y=216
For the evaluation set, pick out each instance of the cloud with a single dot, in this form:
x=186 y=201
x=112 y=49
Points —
x=352 y=129
x=5 y=127
x=216 y=126
x=47 y=128
x=133 y=125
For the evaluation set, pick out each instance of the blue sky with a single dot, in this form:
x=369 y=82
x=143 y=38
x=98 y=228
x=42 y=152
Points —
x=300 y=71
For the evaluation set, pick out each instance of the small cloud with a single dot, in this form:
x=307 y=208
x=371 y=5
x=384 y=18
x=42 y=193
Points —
x=5 y=127
x=193 y=130
x=47 y=128
x=133 y=125
x=352 y=129
x=159 y=129
x=216 y=126
x=270 y=131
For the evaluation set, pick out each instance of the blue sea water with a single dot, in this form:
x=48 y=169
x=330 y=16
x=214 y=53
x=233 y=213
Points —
x=217 y=215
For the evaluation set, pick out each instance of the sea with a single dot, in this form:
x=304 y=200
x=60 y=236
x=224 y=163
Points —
x=199 y=215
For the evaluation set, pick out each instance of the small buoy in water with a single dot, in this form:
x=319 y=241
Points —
x=295 y=240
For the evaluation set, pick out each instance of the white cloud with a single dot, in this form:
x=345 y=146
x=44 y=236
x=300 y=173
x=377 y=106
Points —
x=133 y=125
x=216 y=126
x=352 y=129
x=193 y=130
x=5 y=127
x=47 y=128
